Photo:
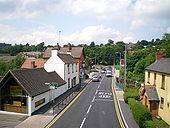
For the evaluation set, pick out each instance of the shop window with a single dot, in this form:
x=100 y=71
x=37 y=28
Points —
x=162 y=103
x=38 y=103
x=163 y=82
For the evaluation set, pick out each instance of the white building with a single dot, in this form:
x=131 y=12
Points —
x=26 y=90
x=65 y=65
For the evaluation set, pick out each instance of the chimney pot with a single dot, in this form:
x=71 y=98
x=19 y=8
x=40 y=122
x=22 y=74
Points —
x=160 y=55
x=69 y=47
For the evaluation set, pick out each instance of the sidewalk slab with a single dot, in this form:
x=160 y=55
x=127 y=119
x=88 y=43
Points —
x=125 y=109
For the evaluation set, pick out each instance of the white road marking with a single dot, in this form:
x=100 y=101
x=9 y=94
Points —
x=103 y=100
x=82 y=122
x=96 y=92
x=93 y=99
x=89 y=109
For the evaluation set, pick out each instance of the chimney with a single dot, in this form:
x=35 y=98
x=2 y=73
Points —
x=58 y=46
x=33 y=64
x=159 y=55
x=54 y=52
x=69 y=47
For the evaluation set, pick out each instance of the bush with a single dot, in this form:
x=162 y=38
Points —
x=140 y=112
x=131 y=93
x=149 y=124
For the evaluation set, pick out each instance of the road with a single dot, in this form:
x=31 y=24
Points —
x=94 y=108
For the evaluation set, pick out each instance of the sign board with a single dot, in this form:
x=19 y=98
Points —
x=16 y=103
x=16 y=90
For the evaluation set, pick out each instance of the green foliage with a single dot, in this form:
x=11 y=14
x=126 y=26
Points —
x=140 y=112
x=16 y=63
x=14 y=50
x=149 y=124
x=160 y=123
x=130 y=93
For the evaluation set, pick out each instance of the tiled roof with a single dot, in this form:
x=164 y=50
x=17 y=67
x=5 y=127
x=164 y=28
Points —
x=162 y=65
x=152 y=93
x=33 y=80
x=76 y=52
x=66 y=58
x=39 y=63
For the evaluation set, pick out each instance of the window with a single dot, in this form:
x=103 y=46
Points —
x=162 y=103
x=76 y=67
x=154 y=106
x=163 y=82
x=148 y=77
x=38 y=103
x=68 y=82
x=154 y=78
x=74 y=80
x=72 y=68
x=68 y=67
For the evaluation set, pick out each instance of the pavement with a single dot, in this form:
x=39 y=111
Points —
x=125 y=110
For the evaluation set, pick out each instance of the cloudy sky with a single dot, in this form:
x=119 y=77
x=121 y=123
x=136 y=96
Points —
x=82 y=21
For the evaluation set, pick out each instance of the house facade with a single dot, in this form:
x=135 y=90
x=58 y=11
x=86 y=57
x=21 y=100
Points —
x=27 y=90
x=76 y=52
x=65 y=65
x=157 y=78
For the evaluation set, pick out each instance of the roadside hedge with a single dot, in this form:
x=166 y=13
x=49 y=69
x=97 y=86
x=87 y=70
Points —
x=140 y=113
x=131 y=93
x=149 y=124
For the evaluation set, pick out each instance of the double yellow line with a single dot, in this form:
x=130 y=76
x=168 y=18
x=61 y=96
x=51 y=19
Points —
x=65 y=109
x=116 y=106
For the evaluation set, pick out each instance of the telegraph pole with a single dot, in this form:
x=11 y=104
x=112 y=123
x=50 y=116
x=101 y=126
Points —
x=125 y=67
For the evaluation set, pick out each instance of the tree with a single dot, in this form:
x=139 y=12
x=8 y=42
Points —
x=92 y=44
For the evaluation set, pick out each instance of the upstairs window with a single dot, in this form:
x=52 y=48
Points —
x=76 y=67
x=68 y=67
x=72 y=68
x=148 y=77
x=163 y=82
x=154 y=78
x=162 y=103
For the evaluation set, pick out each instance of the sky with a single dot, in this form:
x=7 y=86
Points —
x=82 y=21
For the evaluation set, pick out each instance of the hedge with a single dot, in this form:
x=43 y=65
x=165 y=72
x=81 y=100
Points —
x=149 y=124
x=140 y=112
x=131 y=93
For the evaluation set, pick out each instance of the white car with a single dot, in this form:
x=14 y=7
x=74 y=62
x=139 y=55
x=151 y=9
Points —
x=109 y=74
x=95 y=78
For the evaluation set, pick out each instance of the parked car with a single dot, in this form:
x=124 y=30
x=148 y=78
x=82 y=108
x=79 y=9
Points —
x=95 y=78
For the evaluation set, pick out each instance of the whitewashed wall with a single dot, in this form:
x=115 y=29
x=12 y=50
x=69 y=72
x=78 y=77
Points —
x=37 y=98
x=54 y=63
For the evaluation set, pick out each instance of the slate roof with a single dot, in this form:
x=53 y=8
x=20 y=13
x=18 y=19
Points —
x=162 y=66
x=66 y=58
x=33 y=80
x=152 y=93
x=76 y=52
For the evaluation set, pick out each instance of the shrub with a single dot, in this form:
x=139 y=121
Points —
x=149 y=124
x=140 y=112
x=131 y=93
